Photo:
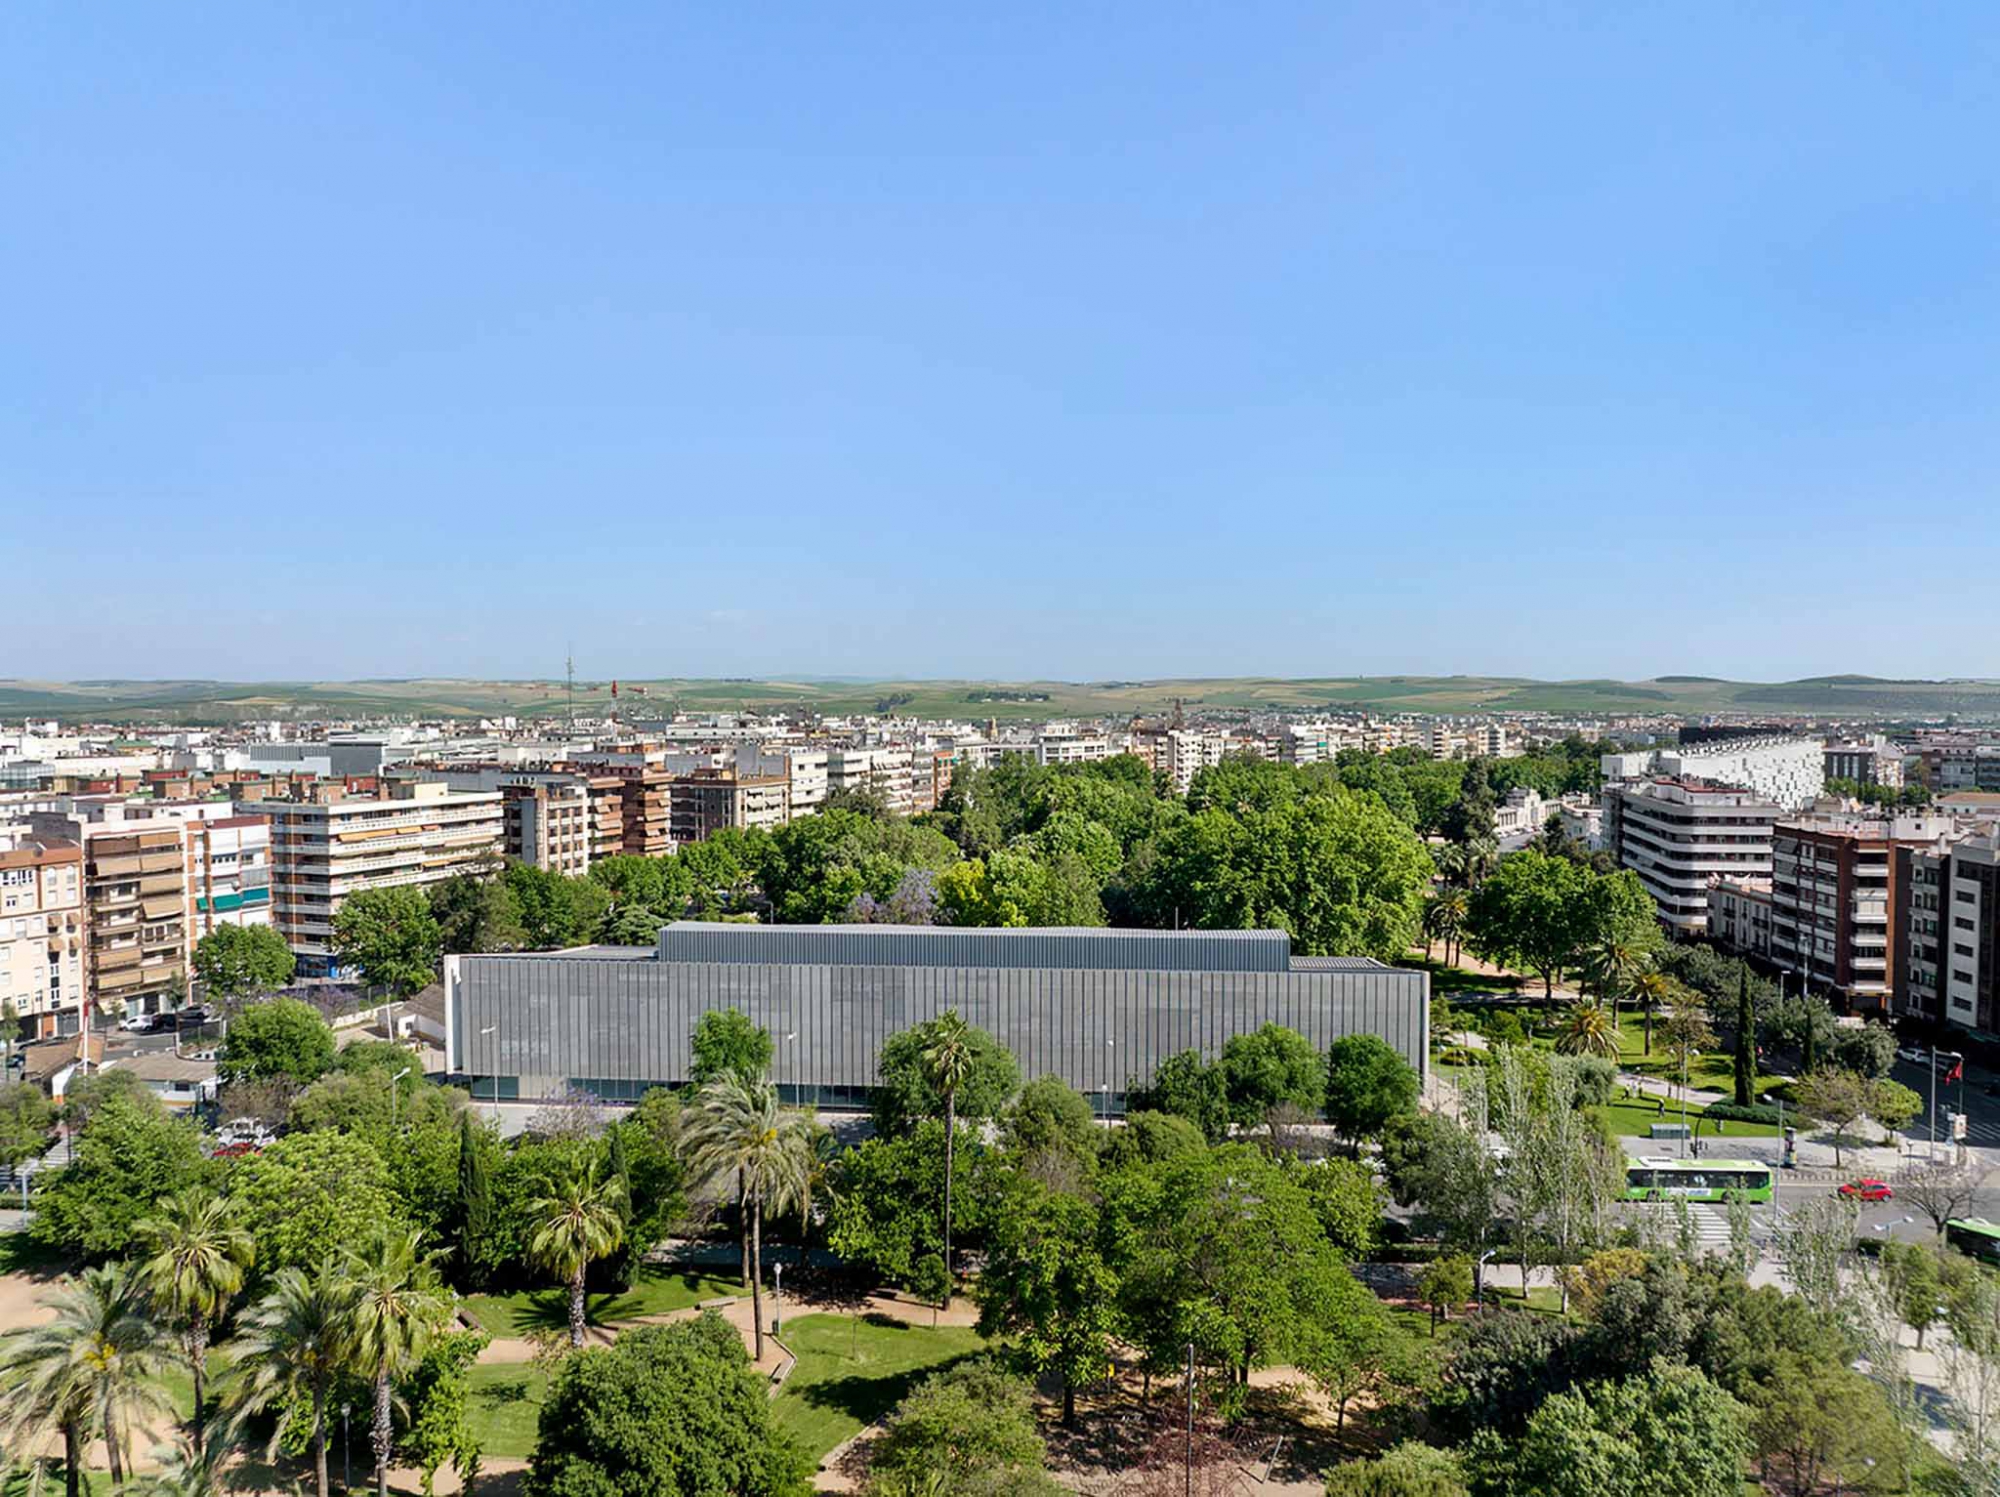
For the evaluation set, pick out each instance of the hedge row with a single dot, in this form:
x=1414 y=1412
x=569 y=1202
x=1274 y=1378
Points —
x=1756 y=1112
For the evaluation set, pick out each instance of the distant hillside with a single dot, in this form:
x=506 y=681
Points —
x=211 y=702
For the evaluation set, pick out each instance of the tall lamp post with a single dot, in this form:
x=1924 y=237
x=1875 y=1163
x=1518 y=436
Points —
x=492 y=1075
x=777 y=1299
x=1479 y=1279
x=346 y=1450
x=394 y=1083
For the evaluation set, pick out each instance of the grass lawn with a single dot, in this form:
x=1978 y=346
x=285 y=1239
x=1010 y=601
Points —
x=1446 y=980
x=852 y=1370
x=1714 y=1071
x=654 y=1291
x=504 y=1402
x=1544 y=1299
x=1634 y=1119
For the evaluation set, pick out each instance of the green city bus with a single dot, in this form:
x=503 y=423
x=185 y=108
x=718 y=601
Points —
x=1975 y=1237
x=1697 y=1179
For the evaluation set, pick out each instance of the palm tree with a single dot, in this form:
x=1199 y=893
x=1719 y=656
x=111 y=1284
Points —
x=736 y=1127
x=948 y=1057
x=581 y=1220
x=1651 y=987
x=1450 y=860
x=1444 y=919
x=188 y=1469
x=394 y=1305
x=93 y=1366
x=195 y=1254
x=1589 y=1028
x=1610 y=966
x=292 y=1341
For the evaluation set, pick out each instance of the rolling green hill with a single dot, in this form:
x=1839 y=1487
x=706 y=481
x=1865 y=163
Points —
x=197 y=701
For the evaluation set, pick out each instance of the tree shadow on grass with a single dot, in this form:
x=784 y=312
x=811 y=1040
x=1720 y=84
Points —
x=865 y=1398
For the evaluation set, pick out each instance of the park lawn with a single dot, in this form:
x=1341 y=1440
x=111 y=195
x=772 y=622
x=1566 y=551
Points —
x=1634 y=1119
x=1714 y=1070
x=1543 y=1299
x=655 y=1290
x=853 y=1369
x=503 y=1404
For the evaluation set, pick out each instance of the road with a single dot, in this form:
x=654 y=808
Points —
x=1975 y=1096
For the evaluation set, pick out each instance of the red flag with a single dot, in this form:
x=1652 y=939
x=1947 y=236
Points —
x=1956 y=1073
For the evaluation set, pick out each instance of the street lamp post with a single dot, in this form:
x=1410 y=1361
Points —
x=1479 y=1279
x=492 y=1075
x=346 y=1450
x=777 y=1299
x=394 y=1082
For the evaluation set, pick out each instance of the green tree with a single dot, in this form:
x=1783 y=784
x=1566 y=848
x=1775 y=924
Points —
x=1440 y=1166
x=1867 y=1048
x=129 y=1156
x=309 y=1192
x=1346 y=1199
x=393 y=1306
x=886 y=1210
x=949 y=1059
x=556 y=911
x=292 y=1343
x=1051 y=1117
x=1444 y=920
x=968 y=1429
x=193 y=1254
x=390 y=937
x=91 y=1368
x=1914 y=1278
x=1651 y=989
x=735 y=1127
x=1188 y=1087
x=476 y=912
x=475 y=1190
x=906 y=1086
x=1531 y=913
x=278 y=1039
x=1444 y=1283
x=1668 y=1433
x=27 y=1123
x=1893 y=1104
x=580 y=1221
x=726 y=1042
x=436 y=1393
x=1405 y=1470
x=1271 y=1067
x=1746 y=1045
x=233 y=960
x=1835 y=1098
x=665 y=1411
x=1367 y=1083
x=1047 y=1284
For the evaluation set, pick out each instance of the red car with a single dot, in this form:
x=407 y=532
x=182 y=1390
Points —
x=1867 y=1190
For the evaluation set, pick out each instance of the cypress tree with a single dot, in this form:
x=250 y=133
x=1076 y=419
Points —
x=1746 y=1044
x=475 y=1193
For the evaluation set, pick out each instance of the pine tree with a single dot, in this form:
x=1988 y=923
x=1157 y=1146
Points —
x=475 y=1192
x=1746 y=1044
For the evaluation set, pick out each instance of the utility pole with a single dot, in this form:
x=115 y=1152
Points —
x=569 y=675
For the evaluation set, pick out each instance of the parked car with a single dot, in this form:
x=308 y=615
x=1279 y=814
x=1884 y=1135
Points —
x=1867 y=1190
x=138 y=1023
x=1915 y=1054
x=236 y=1151
x=243 y=1131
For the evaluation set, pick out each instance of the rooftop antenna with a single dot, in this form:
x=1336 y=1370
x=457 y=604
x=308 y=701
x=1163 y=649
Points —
x=569 y=674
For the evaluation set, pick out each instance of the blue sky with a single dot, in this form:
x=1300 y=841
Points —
x=1072 y=341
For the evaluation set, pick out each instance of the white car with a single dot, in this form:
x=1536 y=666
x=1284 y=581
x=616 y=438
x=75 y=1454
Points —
x=137 y=1023
x=1914 y=1055
x=244 y=1131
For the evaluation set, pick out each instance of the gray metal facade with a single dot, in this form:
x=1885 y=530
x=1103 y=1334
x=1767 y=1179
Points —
x=935 y=946
x=616 y=1022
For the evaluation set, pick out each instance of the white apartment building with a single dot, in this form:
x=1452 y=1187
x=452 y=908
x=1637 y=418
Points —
x=1866 y=761
x=41 y=932
x=229 y=872
x=1519 y=819
x=884 y=770
x=1791 y=772
x=1739 y=915
x=1066 y=743
x=1679 y=836
x=1308 y=743
x=422 y=833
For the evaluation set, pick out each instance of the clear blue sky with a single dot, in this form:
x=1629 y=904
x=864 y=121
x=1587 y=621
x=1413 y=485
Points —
x=1010 y=340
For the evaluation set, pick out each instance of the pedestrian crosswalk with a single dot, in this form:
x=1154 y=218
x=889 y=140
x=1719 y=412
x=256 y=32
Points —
x=1707 y=1225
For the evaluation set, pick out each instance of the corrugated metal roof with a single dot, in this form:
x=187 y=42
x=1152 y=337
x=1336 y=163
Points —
x=1046 y=948
x=1339 y=964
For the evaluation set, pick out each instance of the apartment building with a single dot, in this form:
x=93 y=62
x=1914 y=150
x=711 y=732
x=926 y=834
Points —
x=1308 y=743
x=422 y=832
x=1519 y=819
x=1866 y=761
x=41 y=933
x=884 y=770
x=1739 y=916
x=1180 y=753
x=547 y=822
x=1679 y=836
x=135 y=904
x=1947 y=931
x=706 y=801
x=229 y=872
x=1789 y=772
x=1066 y=743
x=1834 y=884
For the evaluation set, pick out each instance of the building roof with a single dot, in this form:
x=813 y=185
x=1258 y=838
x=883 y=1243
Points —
x=164 y=1066
x=1061 y=948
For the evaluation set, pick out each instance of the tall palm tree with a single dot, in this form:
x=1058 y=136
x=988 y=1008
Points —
x=1444 y=920
x=293 y=1341
x=948 y=1057
x=92 y=1367
x=581 y=1220
x=1610 y=966
x=1652 y=988
x=394 y=1305
x=1589 y=1028
x=195 y=1252
x=1451 y=862
x=736 y=1126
